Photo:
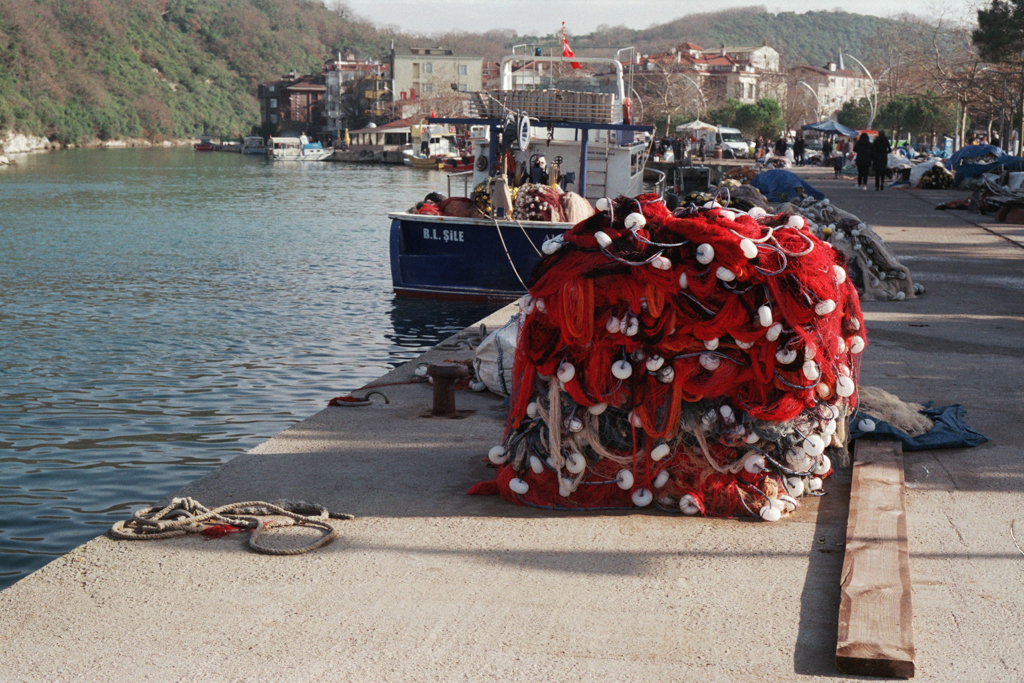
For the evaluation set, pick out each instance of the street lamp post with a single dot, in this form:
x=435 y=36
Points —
x=699 y=92
x=873 y=100
x=818 y=110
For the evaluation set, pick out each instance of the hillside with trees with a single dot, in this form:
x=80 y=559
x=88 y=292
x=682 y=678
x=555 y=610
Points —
x=82 y=70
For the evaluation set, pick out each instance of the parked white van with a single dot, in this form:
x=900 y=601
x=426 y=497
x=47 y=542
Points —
x=732 y=142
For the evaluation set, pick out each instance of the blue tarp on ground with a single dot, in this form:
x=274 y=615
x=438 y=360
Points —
x=778 y=185
x=830 y=127
x=962 y=155
x=968 y=171
x=950 y=431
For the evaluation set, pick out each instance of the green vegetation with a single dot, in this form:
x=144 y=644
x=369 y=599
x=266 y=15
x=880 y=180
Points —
x=80 y=70
x=855 y=114
x=925 y=114
x=762 y=118
x=76 y=70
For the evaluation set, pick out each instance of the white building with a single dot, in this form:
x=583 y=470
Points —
x=833 y=86
x=428 y=72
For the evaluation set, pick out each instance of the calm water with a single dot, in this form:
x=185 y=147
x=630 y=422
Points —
x=162 y=311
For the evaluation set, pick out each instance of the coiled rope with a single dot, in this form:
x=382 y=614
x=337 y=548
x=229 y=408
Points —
x=184 y=516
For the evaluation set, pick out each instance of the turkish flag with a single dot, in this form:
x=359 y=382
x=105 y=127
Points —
x=566 y=50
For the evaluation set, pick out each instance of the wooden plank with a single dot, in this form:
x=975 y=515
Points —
x=876 y=630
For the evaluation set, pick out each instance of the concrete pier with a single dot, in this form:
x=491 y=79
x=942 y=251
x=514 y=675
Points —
x=428 y=584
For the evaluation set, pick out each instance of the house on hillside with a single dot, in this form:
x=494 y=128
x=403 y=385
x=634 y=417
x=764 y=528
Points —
x=427 y=72
x=741 y=73
x=833 y=86
x=293 y=105
x=344 y=94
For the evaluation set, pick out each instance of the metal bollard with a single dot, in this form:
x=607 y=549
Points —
x=445 y=375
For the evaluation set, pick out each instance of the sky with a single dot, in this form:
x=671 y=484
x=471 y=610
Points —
x=542 y=17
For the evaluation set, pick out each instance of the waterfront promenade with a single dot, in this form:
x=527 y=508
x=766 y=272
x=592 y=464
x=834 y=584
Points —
x=427 y=584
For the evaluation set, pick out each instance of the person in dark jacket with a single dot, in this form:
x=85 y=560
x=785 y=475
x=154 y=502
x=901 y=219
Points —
x=799 y=148
x=880 y=149
x=864 y=152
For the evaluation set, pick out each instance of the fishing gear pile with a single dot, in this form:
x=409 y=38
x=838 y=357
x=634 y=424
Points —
x=702 y=361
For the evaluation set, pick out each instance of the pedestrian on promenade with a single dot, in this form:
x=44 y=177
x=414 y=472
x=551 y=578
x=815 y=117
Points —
x=838 y=158
x=799 y=147
x=864 y=152
x=880 y=149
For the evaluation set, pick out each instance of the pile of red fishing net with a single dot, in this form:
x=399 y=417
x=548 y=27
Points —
x=702 y=361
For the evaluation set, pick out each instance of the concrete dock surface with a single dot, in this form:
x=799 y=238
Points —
x=429 y=584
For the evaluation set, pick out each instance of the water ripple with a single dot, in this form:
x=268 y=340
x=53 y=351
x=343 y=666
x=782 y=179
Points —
x=162 y=311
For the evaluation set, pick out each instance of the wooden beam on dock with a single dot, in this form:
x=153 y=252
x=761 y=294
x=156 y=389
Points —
x=876 y=630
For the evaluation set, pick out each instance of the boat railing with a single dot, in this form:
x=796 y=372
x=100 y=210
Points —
x=546 y=105
x=661 y=182
x=466 y=177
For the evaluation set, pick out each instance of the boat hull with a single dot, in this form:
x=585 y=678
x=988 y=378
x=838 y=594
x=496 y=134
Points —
x=469 y=259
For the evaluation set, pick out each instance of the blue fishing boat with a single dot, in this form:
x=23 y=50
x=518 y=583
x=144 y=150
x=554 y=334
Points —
x=582 y=140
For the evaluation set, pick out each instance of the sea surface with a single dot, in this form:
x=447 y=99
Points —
x=162 y=311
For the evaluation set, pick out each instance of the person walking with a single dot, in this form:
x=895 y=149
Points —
x=826 y=152
x=799 y=147
x=703 y=148
x=838 y=158
x=880 y=149
x=865 y=153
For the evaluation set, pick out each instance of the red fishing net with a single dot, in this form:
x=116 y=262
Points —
x=701 y=361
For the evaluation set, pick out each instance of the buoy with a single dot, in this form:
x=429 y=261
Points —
x=531 y=409
x=661 y=263
x=814 y=445
x=642 y=498
x=477 y=386
x=795 y=486
x=566 y=371
x=773 y=332
x=857 y=343
x=625 y=480
x=785 y=356
x=724 y=274
x=753 y=463
x=634 y=419
x=788 y=502
x=748 y=248
x=854 y=324
x=709 y=361
x=536 y=465
x=753 y=438
x=526 y=305
x=574 y=425
x=497 y=455
x=635 y=221
x=764 y=315
x=705 y=254
x=660 y=451
x=825 y=307
x=612 y=325
x=575 y=463
x=796 y=221
x=603 y=239
x=756 y=212
x=632 y=327
x=770 y=514
x=744 y=345
x=661 y=479
x=622 y=369
x=666 y=375
x=518 y=485
x=602 y=204
x=711 y=344
x=810 y=370
x=900 y=296
x=682 y=281
x=845 y=386
x=541 y=306
x=654 y=363
x=823 y=390
x=597 y=408
x=727 y=214
x=866 y=425
x=727 y=414
x=823 y=466
x=840 y=345
x=814 y=484
x=688 y=506
x=712 y=205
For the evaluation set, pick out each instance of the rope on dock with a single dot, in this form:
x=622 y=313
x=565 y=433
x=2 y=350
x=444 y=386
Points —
x=184 y=516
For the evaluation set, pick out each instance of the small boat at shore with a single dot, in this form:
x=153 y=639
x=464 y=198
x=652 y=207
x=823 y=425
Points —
x=415 y=161
x=254 y=144
x=297 y=149
x=205 y=143
x=481 y=251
